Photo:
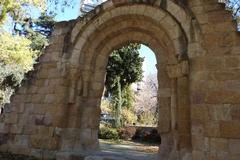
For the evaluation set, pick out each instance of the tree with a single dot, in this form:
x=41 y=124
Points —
x=37 y=30
x=126 y=64
x=20 y=49
x=15 y=7
x=124 y=68
x=234 y=6
x=146 y=100
x=16 y=58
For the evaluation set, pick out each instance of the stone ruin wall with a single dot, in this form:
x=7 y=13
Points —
x=56 y=110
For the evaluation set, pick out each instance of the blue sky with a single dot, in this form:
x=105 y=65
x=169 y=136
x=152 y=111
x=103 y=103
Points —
x=71 y=12
x=149 y=64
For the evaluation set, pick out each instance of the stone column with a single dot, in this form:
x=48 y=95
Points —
x=183 y=127
x=174 y=114
x=164 y=108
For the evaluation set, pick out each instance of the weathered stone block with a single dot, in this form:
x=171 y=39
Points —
x=67 y=145
x=232 y=62
x=198 y=143
x=218 y=145
x=4 y=128
x=40 y=142
x=21 y=140
x=197 y=128
x=37 y=98
x=230 y=129
x=16 y=129
x=234 y=146
x=11 y=118
x=220 y=112
x=199 y=155
x=221 y=97
x=235 y=112
x=20 y=150
x=4 y=138
x=50 y=98
x=30 y=129
x=200 y=112
x=234 y=157
x=212 y=129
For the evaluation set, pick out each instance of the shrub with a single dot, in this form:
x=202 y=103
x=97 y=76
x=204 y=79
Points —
x=147 y=134
x=108 y=133
x=126 y=133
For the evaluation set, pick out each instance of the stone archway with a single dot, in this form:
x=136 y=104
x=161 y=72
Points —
x=57 y=110
x=171 y=57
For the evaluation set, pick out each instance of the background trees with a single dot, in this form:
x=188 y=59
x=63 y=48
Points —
x=234 y=6
x=146 y=100
x=15 y=7
x=22 y=45
x=124 y=68
x=16 y=58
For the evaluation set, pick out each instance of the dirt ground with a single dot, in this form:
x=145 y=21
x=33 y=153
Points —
x=110 y=150
x=127 y=150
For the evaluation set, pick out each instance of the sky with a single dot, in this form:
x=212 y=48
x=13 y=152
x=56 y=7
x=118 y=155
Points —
x=149 y=64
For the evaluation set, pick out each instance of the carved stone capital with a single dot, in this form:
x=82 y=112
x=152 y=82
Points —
x=178 y=70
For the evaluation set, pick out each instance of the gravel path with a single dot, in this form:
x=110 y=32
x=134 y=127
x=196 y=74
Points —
x=126 y=151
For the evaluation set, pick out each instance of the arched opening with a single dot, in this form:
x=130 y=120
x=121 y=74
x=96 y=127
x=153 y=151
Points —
x=129 y=109
x=169 y=44
x=57 y=111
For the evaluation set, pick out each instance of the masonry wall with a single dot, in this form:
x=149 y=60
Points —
x=56 y=109
x=31 y=123
x=214 y=78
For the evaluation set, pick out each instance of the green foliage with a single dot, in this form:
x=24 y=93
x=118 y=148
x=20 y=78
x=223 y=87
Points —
x=148 y=118
x=128 y=116
x=124 y=68
x=19 y=51
x=16 y=58
x=106 y=106
x=37 y=30
x=15 y=7
x=117 y=104
x=126 y=64
x=128 y=97
x=108 y=133
x=15 y=50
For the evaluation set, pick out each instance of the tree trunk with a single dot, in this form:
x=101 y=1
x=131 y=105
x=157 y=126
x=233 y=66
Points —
x=118 y=107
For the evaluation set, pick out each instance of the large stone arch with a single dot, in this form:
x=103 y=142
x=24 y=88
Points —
x=197 y=50
x=171 y=47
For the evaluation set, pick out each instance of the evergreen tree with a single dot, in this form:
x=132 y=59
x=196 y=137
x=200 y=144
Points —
x=37 y=30
x=124 y=68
